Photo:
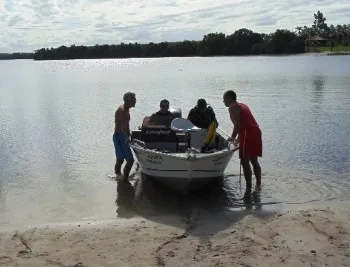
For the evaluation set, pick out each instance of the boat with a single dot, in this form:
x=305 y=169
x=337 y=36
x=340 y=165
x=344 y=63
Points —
x=174 y=153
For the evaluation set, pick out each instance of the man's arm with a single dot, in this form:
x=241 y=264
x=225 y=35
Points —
x=117 y=120
x=126 y=121
x=234 y=116
x=128 y=129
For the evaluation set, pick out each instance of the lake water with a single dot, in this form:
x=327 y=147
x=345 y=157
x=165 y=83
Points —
x=57 y=120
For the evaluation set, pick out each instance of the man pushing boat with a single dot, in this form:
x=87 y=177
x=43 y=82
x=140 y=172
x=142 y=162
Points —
x=249 y=138
x=121 y=136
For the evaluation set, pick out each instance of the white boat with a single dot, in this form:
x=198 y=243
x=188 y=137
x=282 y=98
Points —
x=173 y=154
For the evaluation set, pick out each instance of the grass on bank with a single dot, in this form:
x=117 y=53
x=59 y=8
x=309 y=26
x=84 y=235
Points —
x=337 y=48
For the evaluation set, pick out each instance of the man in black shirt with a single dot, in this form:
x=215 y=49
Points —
x=164 y=108
x=163 y=116
x=202 y=115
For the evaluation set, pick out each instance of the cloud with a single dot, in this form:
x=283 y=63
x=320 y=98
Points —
x=26 y=25
x=342 y=14
x=13 y=20
x=266 y=21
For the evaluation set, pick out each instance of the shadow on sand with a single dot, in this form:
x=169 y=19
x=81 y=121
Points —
x=200 y=213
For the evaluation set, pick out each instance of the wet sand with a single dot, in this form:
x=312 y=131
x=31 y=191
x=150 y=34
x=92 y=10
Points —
x=312 y=235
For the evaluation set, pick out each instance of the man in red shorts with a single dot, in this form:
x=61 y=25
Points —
x=249 y=138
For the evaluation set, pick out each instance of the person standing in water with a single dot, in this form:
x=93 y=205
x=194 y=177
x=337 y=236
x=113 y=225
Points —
x=249 y=138
x=121 y=135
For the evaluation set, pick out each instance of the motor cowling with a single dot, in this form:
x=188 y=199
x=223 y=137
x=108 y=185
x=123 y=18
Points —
x=176 y=112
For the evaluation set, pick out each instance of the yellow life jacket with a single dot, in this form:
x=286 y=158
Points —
x=210 y=137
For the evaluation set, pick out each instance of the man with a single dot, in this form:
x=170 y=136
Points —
x=163 y=116
x=164 y=108
x=122 y=134
x=249 y=138
x=202 y=115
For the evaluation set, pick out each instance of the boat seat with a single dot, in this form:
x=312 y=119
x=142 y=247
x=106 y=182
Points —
x=198 y=138
x=158 y=120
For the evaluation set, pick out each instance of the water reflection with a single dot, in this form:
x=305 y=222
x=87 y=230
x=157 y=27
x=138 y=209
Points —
x=200 y=213
x=148 y=197
x=318 y=83
x=54 y=135
x=253 y=201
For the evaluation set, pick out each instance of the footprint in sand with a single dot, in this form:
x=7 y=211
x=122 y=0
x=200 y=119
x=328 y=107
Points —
x=5 y=260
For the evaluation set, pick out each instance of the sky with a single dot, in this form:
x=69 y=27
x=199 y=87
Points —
x=27 y=25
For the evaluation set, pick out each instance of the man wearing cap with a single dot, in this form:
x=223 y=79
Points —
x=202 y=115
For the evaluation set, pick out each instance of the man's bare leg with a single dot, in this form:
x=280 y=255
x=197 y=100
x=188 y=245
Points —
x=127 y=168
x=247 y=174
x=257 y=171
x=118 y=166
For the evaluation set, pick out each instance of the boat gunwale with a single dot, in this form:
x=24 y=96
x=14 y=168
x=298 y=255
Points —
x=184 y=155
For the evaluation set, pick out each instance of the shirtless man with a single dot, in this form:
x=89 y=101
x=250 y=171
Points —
x=249 y=138
x=122 y=134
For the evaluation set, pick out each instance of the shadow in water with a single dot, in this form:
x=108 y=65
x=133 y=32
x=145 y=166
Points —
x=206 y=211
x=318 y=83
x=125 y=199
x=253 y=201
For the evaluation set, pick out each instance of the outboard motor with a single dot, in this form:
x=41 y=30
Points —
x=176 y=112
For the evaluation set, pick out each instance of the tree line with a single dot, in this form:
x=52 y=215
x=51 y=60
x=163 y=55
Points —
x=4 y=56
x=241 y=42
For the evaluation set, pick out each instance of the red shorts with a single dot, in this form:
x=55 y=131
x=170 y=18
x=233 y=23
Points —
x=250 y=143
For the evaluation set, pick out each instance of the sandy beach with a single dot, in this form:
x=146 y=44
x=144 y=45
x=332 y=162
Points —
x=314 y=235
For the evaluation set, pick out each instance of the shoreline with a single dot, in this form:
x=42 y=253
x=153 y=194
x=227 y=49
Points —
x=135 y=216
x=314 y=234
x=325 y=53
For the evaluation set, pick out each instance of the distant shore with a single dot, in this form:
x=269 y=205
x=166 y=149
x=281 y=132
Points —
x=315 y=235
x=327 y=53
x=12 y=56
x=339 y=53
x=324 y=53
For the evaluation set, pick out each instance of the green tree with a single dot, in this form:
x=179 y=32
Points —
x=241 y=42
x=320 y=25
x=285 y=41
x=213 y=44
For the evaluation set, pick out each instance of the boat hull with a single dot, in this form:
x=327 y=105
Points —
x=182 y=170
x=184 y=185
